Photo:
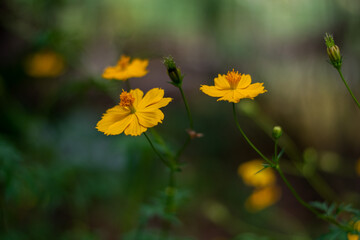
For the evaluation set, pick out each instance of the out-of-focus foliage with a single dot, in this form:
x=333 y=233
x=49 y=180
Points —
x=61 y=179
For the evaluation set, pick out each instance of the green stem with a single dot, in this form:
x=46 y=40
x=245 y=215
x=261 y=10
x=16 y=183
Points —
x=277 y=167
x=276 y=150
x=169 y=165
x=246 y=138
x=178 y=154
x=191 y=123
x=348 y=88
x=305 y=204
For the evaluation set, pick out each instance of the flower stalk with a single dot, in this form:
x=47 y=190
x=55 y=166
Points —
x=247 y=139
x=277 y=132
x=348 y=88
x=335 y=57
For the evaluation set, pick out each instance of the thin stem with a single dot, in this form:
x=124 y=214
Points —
x=305 y=204
x=178 y=154
x=157 y=153
x=277 y=167
x=246 y=138
x=191 y=123
x=348 y=88
x=275 y=150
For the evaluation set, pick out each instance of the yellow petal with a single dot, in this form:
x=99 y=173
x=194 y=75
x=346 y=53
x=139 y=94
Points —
x=134 y=128
x=244 y=81
x=212 y=91
x=119 y=126
x=137 y=94
x=109 y=72
x=221 y=82
x=351 y=236
x=232 y=96
x=253 y=90
x=263 y=198
x=151 y=118
x=111 y=116
x=162 y=103
x=138 y=67
x=151 y=97
x=248 y=171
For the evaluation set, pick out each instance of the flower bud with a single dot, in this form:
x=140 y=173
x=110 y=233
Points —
x=277 y=132
x=333 y=51
x=173 y=71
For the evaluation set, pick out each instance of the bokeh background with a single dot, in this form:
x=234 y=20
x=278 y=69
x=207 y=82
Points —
x=62 y=179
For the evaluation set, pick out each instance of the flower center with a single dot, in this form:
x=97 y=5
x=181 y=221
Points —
x=233 y=78
x=123 y=62
x=127 y=100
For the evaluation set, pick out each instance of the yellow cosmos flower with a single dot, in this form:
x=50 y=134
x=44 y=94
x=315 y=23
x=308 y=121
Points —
x=126 y=69
x=263 y=198
x=247 y=171
x=45 y=64
x=233 y=86
x=135 y=113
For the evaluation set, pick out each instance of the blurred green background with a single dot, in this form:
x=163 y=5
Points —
x=61 y=179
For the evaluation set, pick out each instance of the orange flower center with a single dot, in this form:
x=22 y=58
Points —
x=123 y=62
x=233 y=78
x=127 y=100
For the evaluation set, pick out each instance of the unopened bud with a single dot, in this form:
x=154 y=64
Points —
x=173 y=71
x=277 y=132
x=333 y=51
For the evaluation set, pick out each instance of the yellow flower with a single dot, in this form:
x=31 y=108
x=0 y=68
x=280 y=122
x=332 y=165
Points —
x=135 y=113
x=247 y=171
x=351 y=236
x=125 y=69
x=44 y=64
x=263 y=198
x=233 y=86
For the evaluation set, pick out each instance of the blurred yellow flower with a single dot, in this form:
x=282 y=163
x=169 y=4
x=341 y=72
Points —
x=351 y=236
x=44 y=64
x=135 y=113
x=357 y=228
x=233 y=86
x=358 y=167
x=263 y=198
x=247 y=171
x=126 y=69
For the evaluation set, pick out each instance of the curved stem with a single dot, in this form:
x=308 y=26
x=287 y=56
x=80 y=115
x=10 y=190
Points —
x=247 y=139
x=348 y=88
x=305 y=204
x=191 y=123
x=293 y=191
x=157 y=153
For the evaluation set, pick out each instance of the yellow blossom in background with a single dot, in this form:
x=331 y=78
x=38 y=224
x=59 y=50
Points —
x=233 y=86
x=45 y=64
x=135 y=113
x=126 y=69
x=358 y=167
x=352 y=236
x=263 y=198
x=247 y=171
